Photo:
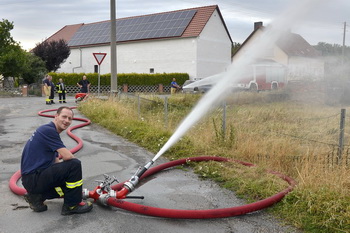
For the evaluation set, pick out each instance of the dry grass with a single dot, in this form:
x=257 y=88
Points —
x=295 y=138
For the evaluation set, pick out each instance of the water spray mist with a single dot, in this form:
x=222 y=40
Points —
x=224 y=82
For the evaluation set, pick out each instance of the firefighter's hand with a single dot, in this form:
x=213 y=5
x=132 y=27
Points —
x=65 y=153
x=58 y=160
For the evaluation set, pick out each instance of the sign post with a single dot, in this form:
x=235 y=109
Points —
x=99 y=58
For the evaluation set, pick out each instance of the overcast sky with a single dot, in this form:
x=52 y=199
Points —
x=36 y=20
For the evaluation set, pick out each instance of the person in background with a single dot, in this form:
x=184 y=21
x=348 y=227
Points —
x=84 y=85
x=52 y=92
x=61 y=90
x=49 y=170
x=47 y=89
x=173 y=86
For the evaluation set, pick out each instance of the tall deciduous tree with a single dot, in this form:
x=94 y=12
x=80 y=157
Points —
x=12 y=57
x=5 y=35
x=53 y=53
x=16 y=62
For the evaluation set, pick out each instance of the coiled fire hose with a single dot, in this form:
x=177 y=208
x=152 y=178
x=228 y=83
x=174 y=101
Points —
x=121 y=190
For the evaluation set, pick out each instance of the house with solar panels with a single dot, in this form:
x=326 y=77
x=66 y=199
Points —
x=194 y=41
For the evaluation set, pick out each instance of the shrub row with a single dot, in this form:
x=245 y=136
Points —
x=130 y=79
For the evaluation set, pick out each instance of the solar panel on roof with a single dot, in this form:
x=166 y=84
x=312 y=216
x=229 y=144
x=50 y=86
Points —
x=169 y=24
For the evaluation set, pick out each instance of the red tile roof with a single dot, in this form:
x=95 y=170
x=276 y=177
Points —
x=295 y=45
x=292 y=44
x=65 y=33
x=199 y=20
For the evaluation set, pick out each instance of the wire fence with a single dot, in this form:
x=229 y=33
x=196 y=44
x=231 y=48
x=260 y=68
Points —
x=330 y=146
x=335 y=145
x=36 y=89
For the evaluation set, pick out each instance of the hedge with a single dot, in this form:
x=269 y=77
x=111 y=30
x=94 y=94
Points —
x=130 y=79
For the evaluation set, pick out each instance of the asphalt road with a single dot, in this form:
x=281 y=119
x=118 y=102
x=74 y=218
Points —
x=105 y=153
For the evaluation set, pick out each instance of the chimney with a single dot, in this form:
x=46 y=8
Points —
x=257 y=25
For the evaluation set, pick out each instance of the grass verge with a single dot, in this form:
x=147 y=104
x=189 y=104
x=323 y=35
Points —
x=292 y=138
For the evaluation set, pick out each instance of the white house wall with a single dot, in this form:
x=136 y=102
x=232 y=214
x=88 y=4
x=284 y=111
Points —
x=176 y=55
x=242 y=52
x=169 y=56
x=213 y=48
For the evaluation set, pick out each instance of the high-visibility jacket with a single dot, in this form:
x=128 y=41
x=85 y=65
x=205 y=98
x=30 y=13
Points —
x=61 y=88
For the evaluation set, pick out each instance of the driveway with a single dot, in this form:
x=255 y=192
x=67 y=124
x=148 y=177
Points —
x=106 y=153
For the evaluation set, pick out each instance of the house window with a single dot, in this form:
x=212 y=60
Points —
x=95 y=68
x=151 y=70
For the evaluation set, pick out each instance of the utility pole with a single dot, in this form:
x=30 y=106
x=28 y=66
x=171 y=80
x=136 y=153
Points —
x=343 y=49
x=114 y=82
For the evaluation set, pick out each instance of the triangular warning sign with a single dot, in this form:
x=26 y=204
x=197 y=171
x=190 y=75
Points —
x=99 y=57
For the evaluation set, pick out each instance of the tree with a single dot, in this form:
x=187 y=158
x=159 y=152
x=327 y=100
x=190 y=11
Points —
x=234 y=48
x=34 y=69
x=5 y=35
x=336 y=65
x=12 y=57
x=16 y=62
x=13 y=61
x=335 y=50
x=53 y=53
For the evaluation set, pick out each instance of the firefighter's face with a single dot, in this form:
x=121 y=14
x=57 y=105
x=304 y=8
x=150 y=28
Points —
x=63 y=120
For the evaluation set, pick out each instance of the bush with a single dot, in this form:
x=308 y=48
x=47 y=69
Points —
x=130 y=79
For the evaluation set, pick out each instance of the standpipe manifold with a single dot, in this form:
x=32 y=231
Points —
x=104 y=191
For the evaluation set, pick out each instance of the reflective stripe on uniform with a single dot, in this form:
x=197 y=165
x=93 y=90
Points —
x=72 y=185
x=59 y=191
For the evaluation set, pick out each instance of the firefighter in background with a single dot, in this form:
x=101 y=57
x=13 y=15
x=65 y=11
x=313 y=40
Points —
x=47 y=89
x=61 y=90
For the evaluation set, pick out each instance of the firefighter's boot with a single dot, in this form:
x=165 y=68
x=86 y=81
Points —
x=36 y=202
x=82 y=207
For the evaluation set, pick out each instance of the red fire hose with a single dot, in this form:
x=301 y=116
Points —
x=199 y=214
x=172 y=213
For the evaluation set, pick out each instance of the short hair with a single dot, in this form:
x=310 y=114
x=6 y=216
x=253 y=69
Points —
x=59 y=110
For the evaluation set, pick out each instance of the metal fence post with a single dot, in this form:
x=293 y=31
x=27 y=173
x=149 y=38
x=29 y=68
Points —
x=138 y=106
x=166 y=112
x=224 y=120
x=341 y=135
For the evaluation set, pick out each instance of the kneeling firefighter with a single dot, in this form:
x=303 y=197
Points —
x=45 y=175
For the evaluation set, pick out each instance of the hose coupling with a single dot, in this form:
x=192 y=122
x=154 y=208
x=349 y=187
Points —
x=85 y=194
x=131 y=184
x=103 y=198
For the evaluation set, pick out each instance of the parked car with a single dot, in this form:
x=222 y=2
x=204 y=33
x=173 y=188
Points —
x=195 y=89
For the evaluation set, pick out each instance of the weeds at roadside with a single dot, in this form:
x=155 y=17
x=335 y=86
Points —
x=293 y=138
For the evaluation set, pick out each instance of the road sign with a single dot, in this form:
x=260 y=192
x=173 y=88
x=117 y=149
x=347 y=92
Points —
x=99 y=57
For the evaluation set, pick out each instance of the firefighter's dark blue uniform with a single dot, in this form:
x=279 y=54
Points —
x=61 y=90
x=40 y=173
